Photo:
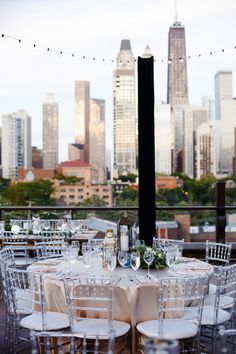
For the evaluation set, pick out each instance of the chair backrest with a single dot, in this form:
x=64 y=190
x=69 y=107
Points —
x=24 y=224
x=50 y=249
x=62 y=342
x=181 y=296
x=90 y=297
x=27 y=291
x=7 y=256
x=218 y=253
x=51 y=224
x=55 y=234
x=225 y=296
x=7 y=259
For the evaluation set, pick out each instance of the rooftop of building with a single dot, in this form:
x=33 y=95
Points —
x=74 y=164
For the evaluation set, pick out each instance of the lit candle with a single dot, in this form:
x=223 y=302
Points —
x=124 y=243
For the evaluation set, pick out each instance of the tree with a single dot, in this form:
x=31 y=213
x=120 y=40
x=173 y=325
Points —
x=25 y=193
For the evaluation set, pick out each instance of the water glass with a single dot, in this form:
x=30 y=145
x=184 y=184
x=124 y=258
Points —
x=161 y=346
x=111 y=262
x=88 y=258
x=135 y=260
x=73 y=254
x=171 y=255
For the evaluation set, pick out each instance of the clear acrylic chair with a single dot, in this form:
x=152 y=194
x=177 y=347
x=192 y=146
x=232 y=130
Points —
x=227 y=346
x=89 y=301
x=49 y=249
x=217 y=253
x=27 y=290
x=179 y=304
x=19 y=246
x=6 y=259
x=67 y=342
x=53 y=235
x=219 y=308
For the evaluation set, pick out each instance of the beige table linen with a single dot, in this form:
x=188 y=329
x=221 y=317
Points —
x=134 y=299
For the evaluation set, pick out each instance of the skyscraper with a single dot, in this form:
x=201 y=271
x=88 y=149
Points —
x=204 y=151
x=124 y=112
x=82 y=115
x=177 y=90
x=163 y=138
x=225 y=115
x=97 y=156
x=16 y=143
x=50 y=132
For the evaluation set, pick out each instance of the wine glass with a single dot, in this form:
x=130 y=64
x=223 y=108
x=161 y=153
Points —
x=123 y=258
x=148 y=259
x=135 y=260
x=111 y=262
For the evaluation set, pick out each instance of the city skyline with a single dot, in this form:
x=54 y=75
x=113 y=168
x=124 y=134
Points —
x=27 y=73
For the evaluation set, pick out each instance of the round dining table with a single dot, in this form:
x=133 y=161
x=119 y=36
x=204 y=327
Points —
x=135 y=295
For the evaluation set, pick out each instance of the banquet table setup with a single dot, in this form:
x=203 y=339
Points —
x=109 y=288
x=134 y=292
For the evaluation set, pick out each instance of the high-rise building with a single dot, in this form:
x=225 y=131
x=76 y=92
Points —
x=50 y=132
x=97 y=156
x=226 y=115
x=82 y=115
x=124 y=112
x=37 y=159
x=75 y=152
x=16 y=143
x=223 y=89
x=204 y=151
x=194 y=116
x=163 y=138
x=177 y=89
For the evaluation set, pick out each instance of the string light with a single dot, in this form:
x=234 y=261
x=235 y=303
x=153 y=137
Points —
x=94 y=59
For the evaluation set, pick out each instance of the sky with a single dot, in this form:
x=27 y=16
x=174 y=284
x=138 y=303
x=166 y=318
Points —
x=94 y=29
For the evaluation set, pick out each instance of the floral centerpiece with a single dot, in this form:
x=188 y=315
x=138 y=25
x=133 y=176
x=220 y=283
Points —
x=159 y=261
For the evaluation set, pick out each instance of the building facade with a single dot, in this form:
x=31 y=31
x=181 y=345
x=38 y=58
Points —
x=124 y=113
x=50 y=132
x=82 y=115
x=177 y=86
x=204 y=151
x=194 y=116
x=163 y=138
x=78 y=193
x=16 y=143
x=97 y=156
x=226 y=116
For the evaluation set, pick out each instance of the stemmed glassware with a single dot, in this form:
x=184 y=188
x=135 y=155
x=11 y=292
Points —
x=87 y=251
x=111 y=261
x=148 y=259
x=123 y=258
x=135 y=260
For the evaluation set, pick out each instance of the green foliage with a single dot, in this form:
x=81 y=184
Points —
x=130 y=177
x=129 y=194
x=69 y=179
x=25 y=193
x=159 y=261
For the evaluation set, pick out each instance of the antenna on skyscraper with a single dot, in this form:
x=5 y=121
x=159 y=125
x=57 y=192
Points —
x=176 y=11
